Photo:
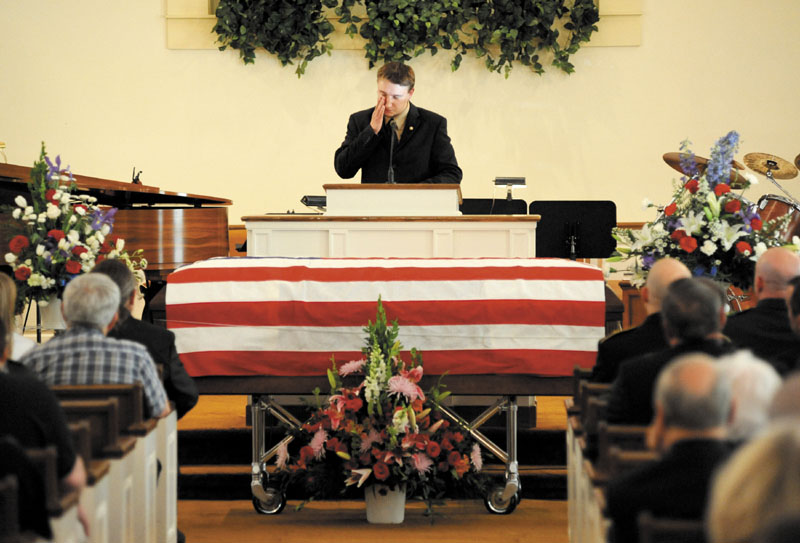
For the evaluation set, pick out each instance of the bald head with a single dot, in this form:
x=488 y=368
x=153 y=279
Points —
x=774 y=269
x=660 y=277
x=786 y=402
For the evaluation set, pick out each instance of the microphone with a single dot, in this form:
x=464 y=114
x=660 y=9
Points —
x=392 y=136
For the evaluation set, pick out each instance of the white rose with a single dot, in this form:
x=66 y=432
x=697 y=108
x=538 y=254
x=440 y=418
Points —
x=74 y=236
x=21 y=201
x=17 y=213
x=53 y=212
x=708 y=248
x=11 y=258
x=40 y=250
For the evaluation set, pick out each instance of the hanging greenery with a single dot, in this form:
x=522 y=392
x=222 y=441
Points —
x=501 y=32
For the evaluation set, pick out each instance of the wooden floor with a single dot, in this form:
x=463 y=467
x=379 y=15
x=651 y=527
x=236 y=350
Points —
x=334 y=521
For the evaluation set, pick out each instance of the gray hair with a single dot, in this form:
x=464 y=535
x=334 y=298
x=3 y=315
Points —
x=687 y=402
x=691 y=308
x=90 y=300
x=754 y=383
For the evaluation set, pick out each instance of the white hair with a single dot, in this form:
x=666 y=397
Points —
x=90 y=300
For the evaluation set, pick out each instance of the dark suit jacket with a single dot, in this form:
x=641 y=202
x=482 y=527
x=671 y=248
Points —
x=423 y=154
x=612 y=351
x=160 y=344
x=674 y=486
x=766 y=331
x=631 y=398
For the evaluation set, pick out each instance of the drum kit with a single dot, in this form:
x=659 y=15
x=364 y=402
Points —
x=770 y=206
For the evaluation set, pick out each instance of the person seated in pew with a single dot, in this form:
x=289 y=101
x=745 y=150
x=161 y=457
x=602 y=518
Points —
x=693 y=312
x=754 y=383
x=648 y=337
x=692 y=406
x=160 y=342
x=765 y=329
x=758 y=485
x=19 y=343
x=83 y=355
x=31 y=414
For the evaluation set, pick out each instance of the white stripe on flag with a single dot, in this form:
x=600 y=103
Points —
x=327 y=263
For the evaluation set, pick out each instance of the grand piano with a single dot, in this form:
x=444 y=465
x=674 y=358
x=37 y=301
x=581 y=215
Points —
x=171 y=228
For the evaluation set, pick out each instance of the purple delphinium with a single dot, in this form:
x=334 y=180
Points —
x=719 y=165
x=688 y=162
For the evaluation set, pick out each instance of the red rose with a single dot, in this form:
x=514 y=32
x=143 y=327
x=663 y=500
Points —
x=433 y=449
x=454 y=458
x=678 y=235
x=49 y=196
x=18 y=243
x=22 y=273
x=99 y=259
x=78 y=250
x=670 y=209
x=756 y=224
x=732 y=206
x=688 y=244
x=73 y=267
x=744 y=248
x=381 y=471
x=56 y=234
x=692 y=185
x=105 y=248
x=721 y=189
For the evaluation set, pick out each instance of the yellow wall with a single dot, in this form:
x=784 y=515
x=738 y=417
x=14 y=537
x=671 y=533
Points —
x=96 y=81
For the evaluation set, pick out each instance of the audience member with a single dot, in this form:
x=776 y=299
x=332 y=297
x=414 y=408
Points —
x=758 y=485
x=786 y=402
x=84 y=355
x=765 y=329
x=692 y=405
x=754 y=383
x=8 y=301
x=31 y=415
x=648 y=337
x=160 y=342
x=693 y=313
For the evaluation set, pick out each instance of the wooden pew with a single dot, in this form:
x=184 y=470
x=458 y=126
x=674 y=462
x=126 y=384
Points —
x=130 y=399
x=669 y=530
x=627 y=438
x=61 y=504
x=109 y=444
x=95 y=497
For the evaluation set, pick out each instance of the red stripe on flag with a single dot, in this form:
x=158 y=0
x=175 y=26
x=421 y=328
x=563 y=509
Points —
x=410 y=313
x=340 y=274
x=242 y=363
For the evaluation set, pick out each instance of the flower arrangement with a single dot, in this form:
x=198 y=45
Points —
x=378 y=426
x=715 y=231
x=60 y=234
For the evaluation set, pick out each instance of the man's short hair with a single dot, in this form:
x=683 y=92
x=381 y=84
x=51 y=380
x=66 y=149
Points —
x=398 y=73
x=683 y=406
x=120 y=273
x=691 y=308
x=754 y=383
x=90 y=300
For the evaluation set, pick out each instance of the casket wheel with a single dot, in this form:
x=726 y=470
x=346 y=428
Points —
x=274 y=503
x=495 y=504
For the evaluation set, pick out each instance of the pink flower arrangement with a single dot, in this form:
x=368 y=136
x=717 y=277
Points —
x=378 y=426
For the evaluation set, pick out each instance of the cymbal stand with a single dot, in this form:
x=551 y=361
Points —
x=772 y=165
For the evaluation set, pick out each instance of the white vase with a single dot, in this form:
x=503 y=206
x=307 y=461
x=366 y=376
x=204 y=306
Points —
x=50 y=315
x=385 y=505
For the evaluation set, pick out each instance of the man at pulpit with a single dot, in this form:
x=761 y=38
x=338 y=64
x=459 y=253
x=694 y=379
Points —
x=397 y=142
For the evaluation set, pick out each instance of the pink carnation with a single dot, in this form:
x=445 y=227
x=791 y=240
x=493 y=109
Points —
x=400 y=385
x=476 y=458
x=318 y=442
x=351 y=367
x=368 y=440
x=421 y=462
x=282 y=456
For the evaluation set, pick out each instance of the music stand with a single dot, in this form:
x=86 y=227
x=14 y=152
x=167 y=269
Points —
x=492 y=206
x=575 y=229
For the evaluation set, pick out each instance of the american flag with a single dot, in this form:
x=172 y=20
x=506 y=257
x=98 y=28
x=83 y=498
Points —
x=288 y=316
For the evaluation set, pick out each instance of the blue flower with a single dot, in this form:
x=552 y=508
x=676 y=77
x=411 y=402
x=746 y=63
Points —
x=101 y=217
x=687 y=158
x=720 y=163
x=648 y=260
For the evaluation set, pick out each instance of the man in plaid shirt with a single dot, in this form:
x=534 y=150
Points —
x=83 y=355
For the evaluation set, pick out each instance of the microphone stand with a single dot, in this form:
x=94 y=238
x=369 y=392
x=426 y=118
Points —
x=392 y=135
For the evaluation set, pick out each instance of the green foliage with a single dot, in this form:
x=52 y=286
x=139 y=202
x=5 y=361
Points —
x=501 y=32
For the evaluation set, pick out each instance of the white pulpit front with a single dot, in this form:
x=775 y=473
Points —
x=392 y=200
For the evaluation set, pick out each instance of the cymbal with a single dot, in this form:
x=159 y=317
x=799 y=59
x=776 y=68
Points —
x=673 y=160
x=797 y=161
x=763 y=163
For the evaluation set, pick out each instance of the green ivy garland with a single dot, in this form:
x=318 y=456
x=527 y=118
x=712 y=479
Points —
x=500 y=31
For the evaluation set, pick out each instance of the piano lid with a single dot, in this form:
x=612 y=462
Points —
x=114 y=193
